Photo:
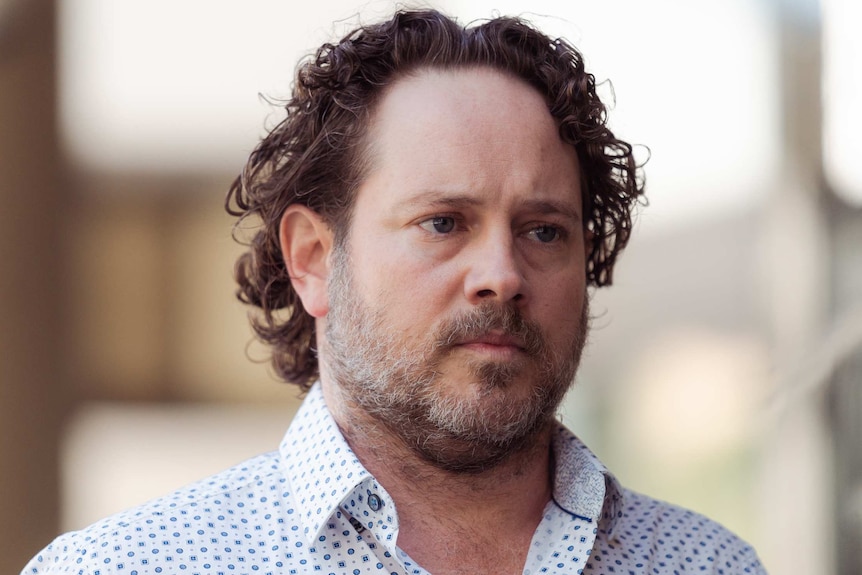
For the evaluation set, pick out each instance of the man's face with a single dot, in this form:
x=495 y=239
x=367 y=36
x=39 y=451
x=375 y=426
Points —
x=457 y=308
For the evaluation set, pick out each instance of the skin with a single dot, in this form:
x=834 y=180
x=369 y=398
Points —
x=441 y=150
x=472 y=199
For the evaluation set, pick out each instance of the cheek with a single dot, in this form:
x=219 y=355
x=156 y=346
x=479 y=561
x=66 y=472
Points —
x=403 y=285
x=559 y=301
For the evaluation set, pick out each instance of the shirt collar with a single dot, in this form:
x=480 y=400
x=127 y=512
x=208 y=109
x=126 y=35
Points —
x=326 y=475
x=319 y=464
x=583 y=486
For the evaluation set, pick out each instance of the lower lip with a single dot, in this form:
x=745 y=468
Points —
x=489 y=349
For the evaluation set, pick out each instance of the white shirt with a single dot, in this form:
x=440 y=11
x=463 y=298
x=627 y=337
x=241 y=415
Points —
x=312 y=508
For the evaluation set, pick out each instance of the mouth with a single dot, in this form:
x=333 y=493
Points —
x=493 y=342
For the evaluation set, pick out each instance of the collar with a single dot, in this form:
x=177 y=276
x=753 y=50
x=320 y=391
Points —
x=321 y=468
x=325 y=477
x=583 y=486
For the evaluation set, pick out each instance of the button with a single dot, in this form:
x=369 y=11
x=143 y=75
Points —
x=374 y=502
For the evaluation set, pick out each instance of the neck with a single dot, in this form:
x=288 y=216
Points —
x=492 y=511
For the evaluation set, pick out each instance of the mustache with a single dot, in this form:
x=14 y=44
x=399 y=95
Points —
x=486 y=318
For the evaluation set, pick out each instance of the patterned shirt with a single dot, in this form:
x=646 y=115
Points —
x=312 y=508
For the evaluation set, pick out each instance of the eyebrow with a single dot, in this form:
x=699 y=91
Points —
x=440 y=198
x=544 y=206
x=456 y=200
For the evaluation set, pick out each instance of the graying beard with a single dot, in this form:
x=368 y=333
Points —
x=395 y=385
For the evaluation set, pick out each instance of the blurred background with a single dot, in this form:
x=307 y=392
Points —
x=724 y=367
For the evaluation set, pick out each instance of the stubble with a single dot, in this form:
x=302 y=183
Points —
x=397 y=382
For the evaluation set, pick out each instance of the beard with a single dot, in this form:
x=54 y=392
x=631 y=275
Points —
x=397 y=382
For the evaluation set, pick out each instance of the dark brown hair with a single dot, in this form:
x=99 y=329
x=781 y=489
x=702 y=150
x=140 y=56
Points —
x=315 y=157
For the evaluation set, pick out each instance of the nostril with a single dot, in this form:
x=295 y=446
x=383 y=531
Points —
x=485 y=293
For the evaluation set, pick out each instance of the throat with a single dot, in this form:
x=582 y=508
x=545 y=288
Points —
x=455 y=522
x=475 y=531
x=467 y=556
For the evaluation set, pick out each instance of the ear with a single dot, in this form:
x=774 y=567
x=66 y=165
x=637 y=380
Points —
x=306 y=242
x=589 y=241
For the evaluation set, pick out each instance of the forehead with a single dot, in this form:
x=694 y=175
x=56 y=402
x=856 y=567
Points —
x=460 y=104
x=475 y=130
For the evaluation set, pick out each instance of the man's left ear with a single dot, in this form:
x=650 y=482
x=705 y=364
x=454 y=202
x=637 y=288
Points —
x=589 y=239
x=306 y=242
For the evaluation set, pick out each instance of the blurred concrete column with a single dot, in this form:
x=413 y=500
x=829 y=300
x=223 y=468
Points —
x=845 y=384
x=846 y=403
x=31 y=289
x=797 y=477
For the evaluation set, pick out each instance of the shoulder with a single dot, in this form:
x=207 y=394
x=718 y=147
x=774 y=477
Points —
x=161 y=526
x=664 y=538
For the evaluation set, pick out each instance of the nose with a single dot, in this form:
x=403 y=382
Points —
x=495 y=273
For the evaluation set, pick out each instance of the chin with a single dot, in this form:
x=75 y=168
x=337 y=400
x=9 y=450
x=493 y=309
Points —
x=486 y=376
x=477 y=436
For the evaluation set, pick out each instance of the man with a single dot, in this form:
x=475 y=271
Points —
x=433 y=210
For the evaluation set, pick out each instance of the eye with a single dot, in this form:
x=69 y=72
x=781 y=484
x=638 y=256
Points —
x=546 y=234
x=439 y=224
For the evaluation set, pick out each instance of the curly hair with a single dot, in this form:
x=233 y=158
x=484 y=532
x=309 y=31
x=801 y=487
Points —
x=315 y=156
